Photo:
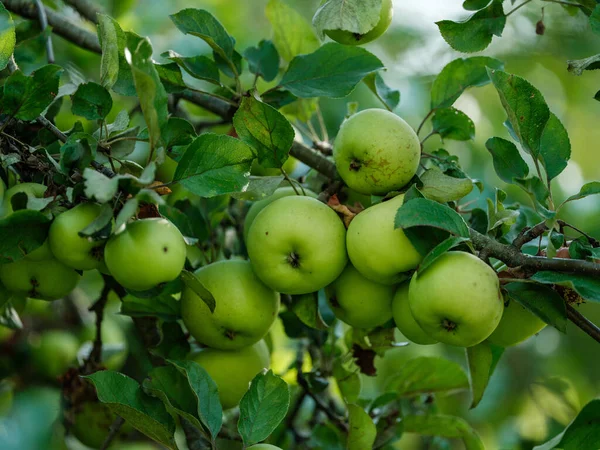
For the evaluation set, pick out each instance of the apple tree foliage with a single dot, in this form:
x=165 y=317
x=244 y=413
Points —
x=214 y=170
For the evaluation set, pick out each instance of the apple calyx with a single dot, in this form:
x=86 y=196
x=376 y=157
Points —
x=230 y=334
x=34 y=284
x=294 y=260
x=355 y=165
x=449 y=325
x=97 y=253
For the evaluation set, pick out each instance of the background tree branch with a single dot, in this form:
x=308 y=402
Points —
x=86 y=8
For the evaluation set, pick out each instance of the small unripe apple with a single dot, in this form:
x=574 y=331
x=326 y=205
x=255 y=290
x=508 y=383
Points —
x=358 y=301
x=377 y=250
x=233 y=370
x=297 y=245
x=92 y=425
x=376 y=152
x=53 y=352
x=68 y=247
x=46 y=279
x=349 y=38
x=517 y=325
x=457 y=299
x=264 y=447
x=405 y=322
x=245 y=307
x=259 y=205
x=146 y=253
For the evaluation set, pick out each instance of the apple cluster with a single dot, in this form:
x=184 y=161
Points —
x=140 y=255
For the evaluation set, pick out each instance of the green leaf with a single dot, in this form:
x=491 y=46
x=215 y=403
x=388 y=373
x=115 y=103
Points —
x=8 y=37
x=439 y=250
x=292 y=34
x=459 y=75
x=361 y=431
x=388 y=96
x=482 y=359
x=541 y=301
x=443 y=188
x=213 y=165
x=171 y=386
x=582 y=433
x=26 y=97
x=202 y=24
x=441 y=425
x=476 y=32
x=22 y=232
x=206 y=395
x=578 y=66
x=355 y=16
x=91 y=101
x=100 y=228
x=348 y=381
x=165 y=307
x=591 y=188
x=263 y=60
x=98 y=186
x=177 y=132
x=306 y=308
x=507 y=160
x=427 y=374
x=259 y=188
x=332 y=71
x=170 y=77
x=526 y=108
x=263 y=407
x=586 y=286
x=124 y=397
x=475 y=5
x=192 y=282
x=450 y=123
x=78 y=152
x=264 y=129
x=425 y=212
x=539 y=194
x=595 y=20
x=151 y=92
x=112 y=42
x=227 y=67
x=199 y=67
x=555 y=147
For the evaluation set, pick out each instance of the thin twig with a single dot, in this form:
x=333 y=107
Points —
x=583 y=323
x=112 y=433
x=518 y=7
x=593 y=241
x=44 y=25
x=59 y=23
x=424 y=120
x=529 y=234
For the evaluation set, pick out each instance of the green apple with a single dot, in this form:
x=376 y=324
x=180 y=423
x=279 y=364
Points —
x=68 y=247
x=146 y=253
x=41 y=253
x=379 y=251
x=92 y=425
x=31 y=189
x=263 y=447
x=53 y=352
x=358 y=301
x=179 y=193
x=297 y=245
x=517 y=324
x=245 y=307
x=349 y=38
x=376 y=152
x=457 y=299
x=233 y=370
x=404 y=319
x=46 y=279
x=262 y=204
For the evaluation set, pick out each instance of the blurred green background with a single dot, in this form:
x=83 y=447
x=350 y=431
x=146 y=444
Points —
x=539 y=385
